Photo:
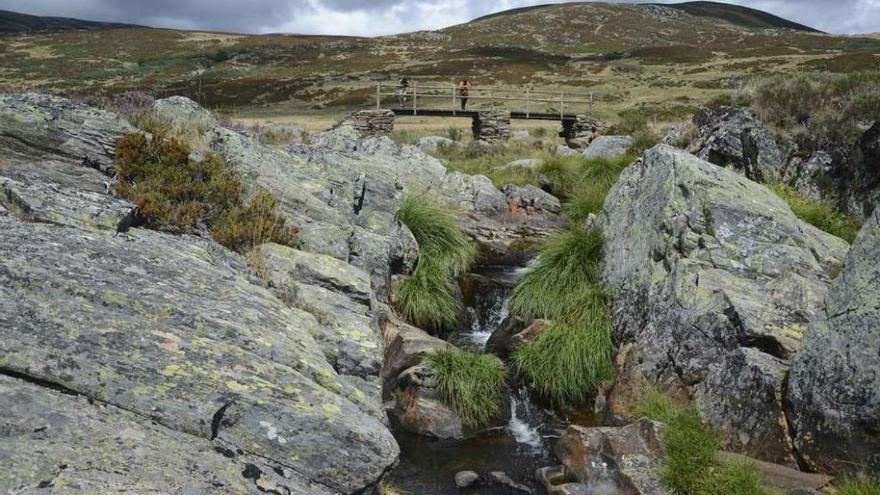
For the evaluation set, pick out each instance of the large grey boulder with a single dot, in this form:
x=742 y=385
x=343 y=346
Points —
x=171 y=329
x=834 y=387
x=430 y=144
x=731 y=137
x=608 y=147
x=715 y=280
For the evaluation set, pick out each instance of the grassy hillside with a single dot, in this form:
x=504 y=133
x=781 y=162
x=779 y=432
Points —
x=657 y=60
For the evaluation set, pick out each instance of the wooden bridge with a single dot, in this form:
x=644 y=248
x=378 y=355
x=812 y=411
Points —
x=443 y=100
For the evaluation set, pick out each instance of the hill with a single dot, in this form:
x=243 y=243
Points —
x=660 y=60
x=14 y=22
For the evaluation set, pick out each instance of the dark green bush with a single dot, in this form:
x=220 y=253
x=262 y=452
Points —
x=470 y=383
x=428 y=298
x=175 y=193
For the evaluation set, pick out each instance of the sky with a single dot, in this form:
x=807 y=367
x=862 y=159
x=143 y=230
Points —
x=378 y=17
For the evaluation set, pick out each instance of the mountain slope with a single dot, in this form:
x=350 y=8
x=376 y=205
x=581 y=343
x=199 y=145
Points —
x=739 y=15
x=14 y=22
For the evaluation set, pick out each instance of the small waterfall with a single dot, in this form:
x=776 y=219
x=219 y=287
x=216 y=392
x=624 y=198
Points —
x=521 y=412
x=490 y=304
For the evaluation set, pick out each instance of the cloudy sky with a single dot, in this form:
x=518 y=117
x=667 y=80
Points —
x=374 y=17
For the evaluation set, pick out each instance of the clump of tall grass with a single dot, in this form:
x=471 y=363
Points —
x=470 y=383
x=174 y=192
x=690 y=466
x=428 y=297
x=595 y=178
x=859 y=486
x=567 y=362
x=821 y=214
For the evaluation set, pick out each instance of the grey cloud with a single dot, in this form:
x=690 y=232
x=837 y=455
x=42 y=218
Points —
x=386 y=16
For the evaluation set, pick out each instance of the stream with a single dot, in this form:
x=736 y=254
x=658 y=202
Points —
x=428 y=466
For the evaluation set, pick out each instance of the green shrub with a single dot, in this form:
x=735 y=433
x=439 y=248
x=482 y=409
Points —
x=470 y=383
x=821 y=214
x=568 y=361
x=454 y=133
x=690 y=466
x=859 y=486
x=428 y=298
x=175 y=193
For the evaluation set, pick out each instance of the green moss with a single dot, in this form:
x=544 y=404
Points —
x=428 y=298
x=567 y=362
x=821 y=214
x=689 y=466
x=470 y=383
x=174 y=192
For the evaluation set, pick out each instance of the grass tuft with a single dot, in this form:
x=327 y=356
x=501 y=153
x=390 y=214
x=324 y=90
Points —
x=568 y=361
x=174 y=192
x=428 y=298
x=690 y=467
x=859 y=486
x=470 y=383
x=821 y=214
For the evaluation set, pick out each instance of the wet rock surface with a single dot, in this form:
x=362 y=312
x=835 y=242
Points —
x=713 y=290
x=833 y=396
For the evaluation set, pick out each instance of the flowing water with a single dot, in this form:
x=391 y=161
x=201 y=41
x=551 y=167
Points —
x=428 y=466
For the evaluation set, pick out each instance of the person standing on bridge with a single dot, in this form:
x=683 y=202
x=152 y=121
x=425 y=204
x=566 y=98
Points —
x=464 y=88
x=402 y=90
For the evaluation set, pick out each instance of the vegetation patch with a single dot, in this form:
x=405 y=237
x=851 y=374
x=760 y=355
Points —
x=178 y=194
x=820 y=214
x=567 y=362
x=859 y=486
x=427 y=298
x=470 y=383
x=690 y=467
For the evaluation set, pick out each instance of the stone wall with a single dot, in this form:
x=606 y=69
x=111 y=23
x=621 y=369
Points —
x=491 y=126
x=580 y=131
x=375 y=122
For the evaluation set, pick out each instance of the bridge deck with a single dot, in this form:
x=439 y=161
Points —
x=517 y=115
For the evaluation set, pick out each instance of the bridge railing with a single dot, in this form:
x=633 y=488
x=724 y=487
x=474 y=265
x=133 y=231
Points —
x=433 y=96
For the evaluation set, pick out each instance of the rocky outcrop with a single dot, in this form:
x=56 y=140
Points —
x=491 y=126
x=713 y=291
x=430 y=144
x=620 y=460
x=833 y=396
x=731 y=137
x=420 y=409
x=172 y=330
x=845 y=173
x=608 y=147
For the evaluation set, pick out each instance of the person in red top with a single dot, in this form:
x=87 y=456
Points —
x=464 y=88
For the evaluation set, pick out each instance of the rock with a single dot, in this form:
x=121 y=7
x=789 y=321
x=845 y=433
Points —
x=529 y=200
x=39 y=127
x=491 y=126
x=419 y=408
x=171 y=329
x=628 y=458
x=608 y=147
x=501 y=478
x=179 y=109
x=580 y=132
x=374 y=122
x=564 y=150
x=732 y=137
x=520 y=134
x=63 y=441
x=784 y=478
x=430 y=144
x=512 y=333
x=405 y=347
x=464 y=479
x=833 y=398
x=338 y=295
x=32 y=199
x=713 y=292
